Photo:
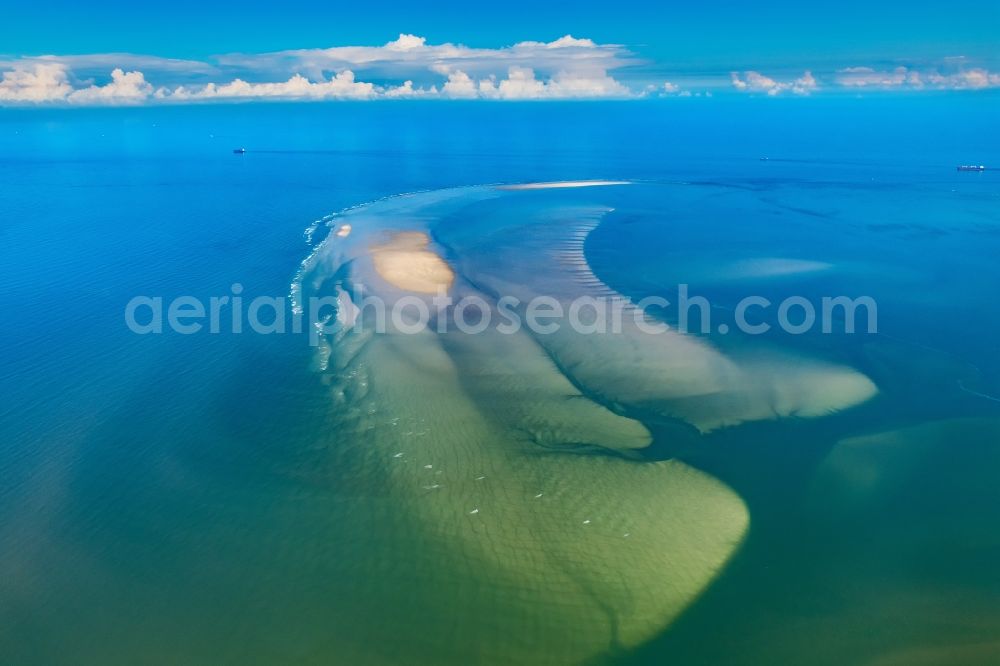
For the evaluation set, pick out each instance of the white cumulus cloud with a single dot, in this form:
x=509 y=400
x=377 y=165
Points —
x=752 y=81
x=124 y=88
x=521 y=83
x=408 y=90
x=42 y=82
x=341 y=86
x=405 y=67
x=969 y=79
x=35 y=84
x=460 y=86
x=410 y=56
x=975 y=78
x=860 y=77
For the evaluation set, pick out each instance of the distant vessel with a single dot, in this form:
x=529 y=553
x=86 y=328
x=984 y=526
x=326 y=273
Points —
x=971 y=167
x=239 y=151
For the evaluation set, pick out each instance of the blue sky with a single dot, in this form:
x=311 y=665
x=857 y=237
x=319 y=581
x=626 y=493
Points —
x=658 y=48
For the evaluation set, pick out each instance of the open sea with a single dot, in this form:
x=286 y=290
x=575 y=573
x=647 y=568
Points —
x=711 y=497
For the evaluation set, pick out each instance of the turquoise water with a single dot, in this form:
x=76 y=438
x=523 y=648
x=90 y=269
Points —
x=217 y=498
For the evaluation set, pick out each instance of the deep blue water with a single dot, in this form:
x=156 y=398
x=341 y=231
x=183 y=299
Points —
x=150 y=485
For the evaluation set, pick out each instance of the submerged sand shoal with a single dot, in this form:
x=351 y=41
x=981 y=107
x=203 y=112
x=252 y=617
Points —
x=511 y=504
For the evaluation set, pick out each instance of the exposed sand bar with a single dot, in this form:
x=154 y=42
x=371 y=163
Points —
x=406 y=263
x=563 y=184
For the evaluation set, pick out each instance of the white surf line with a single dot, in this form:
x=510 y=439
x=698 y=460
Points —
x=572 y=256
x=559 y=184
x=985 y=396
x=961 y=385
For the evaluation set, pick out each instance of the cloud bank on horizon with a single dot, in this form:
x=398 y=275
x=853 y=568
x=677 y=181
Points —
x=409 y=67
